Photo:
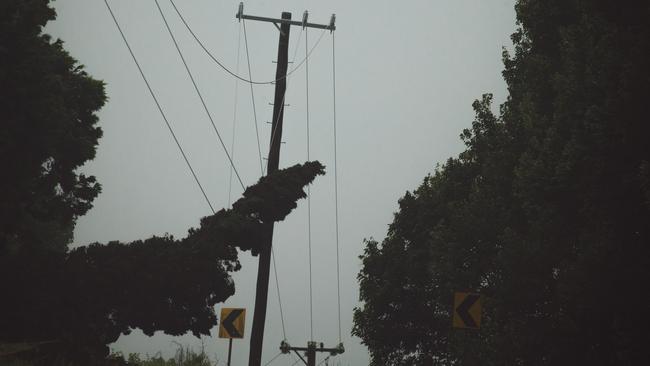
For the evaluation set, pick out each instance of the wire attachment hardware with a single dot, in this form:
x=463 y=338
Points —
x=303 y=23
x=338 y=350
x=240 y=12
x=285 y=347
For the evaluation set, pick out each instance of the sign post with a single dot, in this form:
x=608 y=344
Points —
x=229 y=350
x=232 y=326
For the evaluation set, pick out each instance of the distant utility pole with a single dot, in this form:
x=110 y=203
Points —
x=264 y=266
x=310 y=351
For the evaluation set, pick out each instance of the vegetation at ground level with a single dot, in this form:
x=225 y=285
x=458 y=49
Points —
x=184 y=356
x=546 y=213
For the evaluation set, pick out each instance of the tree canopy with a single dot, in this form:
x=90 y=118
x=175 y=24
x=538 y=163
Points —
x=79 y=301
x=48 y=107
x=87 y=298
x=546 y=213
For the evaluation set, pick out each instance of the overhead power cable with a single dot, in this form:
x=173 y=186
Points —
x=324 y=360
x=336 y=188
x=153 y=95
x=234 y=119
x=273 y=359
x=196 y=38
x=198 y=92
x=250 y=75
x=311 y=298
x=277 y=286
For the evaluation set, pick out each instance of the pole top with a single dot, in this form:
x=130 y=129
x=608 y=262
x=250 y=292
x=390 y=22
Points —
x=240 y=11
x=286 y=19
x=332 y=23
x=285 y=347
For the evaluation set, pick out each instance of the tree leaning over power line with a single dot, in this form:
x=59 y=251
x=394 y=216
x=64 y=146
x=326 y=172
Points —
x=48 y=108
x=76 y=302
x=546 y=212
x=87 y=298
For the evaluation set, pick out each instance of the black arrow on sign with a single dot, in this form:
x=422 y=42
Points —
x=463 y=310
x=228 y=323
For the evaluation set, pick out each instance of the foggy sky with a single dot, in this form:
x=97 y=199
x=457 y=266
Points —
x=407 y=73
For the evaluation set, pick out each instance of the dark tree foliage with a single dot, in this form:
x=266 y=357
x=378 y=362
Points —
x=47 y=130
x=76 y=302
x=87 y=298
x=546 y=212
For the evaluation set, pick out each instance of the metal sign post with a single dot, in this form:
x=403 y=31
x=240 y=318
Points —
x=232 y=325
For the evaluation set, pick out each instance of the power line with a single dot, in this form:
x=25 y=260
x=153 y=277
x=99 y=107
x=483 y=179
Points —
x=196 y=38
x=198 y=92
x=257 y=134
x=323 y=360
x=311 y=301
x=336 y=187
x=277 y=286
x=153 y=95
x=234 y=118
x=273 y=359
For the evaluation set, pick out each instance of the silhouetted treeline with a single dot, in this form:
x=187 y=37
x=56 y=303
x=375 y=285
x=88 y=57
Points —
x=48 y=106
x=61 y=306
x=546 y=213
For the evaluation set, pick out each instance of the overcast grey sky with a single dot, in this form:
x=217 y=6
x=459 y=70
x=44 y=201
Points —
x=407 y=73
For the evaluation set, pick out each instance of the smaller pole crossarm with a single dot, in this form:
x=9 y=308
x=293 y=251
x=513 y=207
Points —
x=285 y=21
x=317 y=349
x=312 y=346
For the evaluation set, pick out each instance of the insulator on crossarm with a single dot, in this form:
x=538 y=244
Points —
x=240 y=12
x=332 y=23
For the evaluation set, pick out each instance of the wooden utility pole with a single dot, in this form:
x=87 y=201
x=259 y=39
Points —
x=264 y=266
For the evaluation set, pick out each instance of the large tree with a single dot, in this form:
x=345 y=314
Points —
x=546 y=212
x=79 y=301
x=86 y=298
x=48 y=118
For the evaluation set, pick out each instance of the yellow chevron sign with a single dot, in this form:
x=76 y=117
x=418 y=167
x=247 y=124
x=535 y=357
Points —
x=232 y=323
x=467 y=310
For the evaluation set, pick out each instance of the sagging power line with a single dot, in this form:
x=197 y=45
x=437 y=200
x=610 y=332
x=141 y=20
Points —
x=225 y=68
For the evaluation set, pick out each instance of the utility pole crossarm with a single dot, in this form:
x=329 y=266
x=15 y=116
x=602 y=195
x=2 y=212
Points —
x=333 y=351
x=310 y=351
x=331 y=27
